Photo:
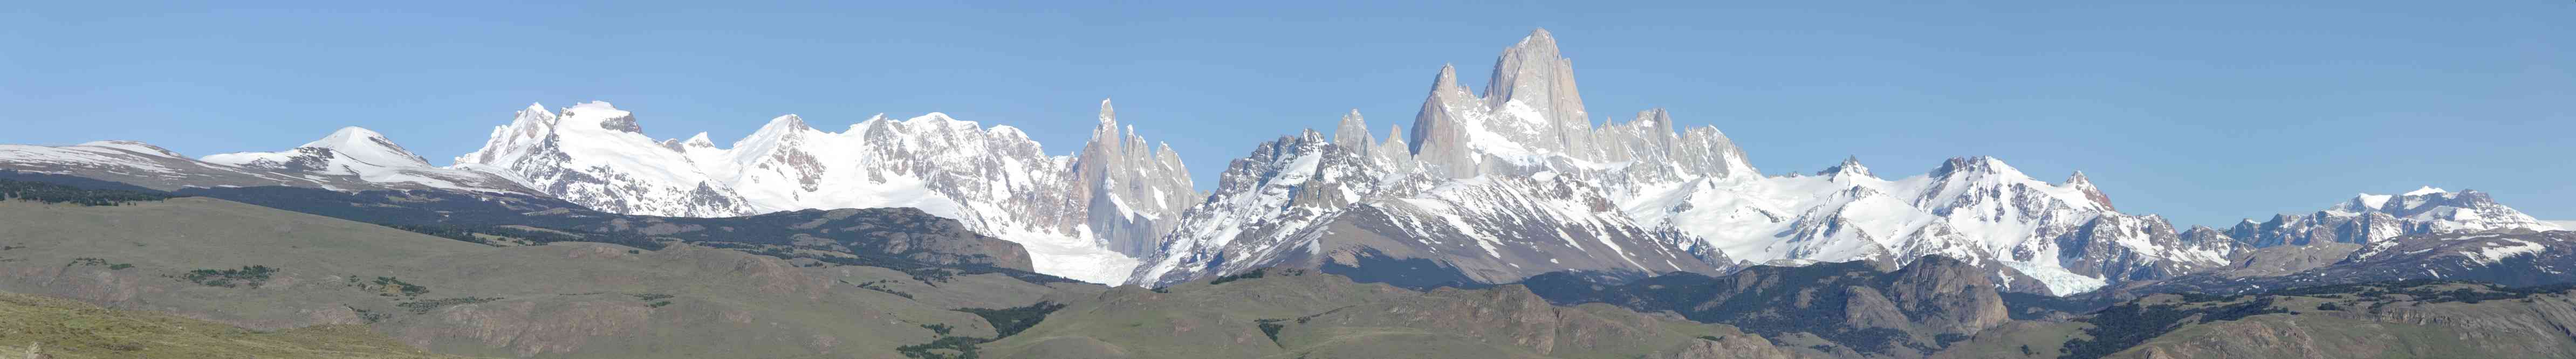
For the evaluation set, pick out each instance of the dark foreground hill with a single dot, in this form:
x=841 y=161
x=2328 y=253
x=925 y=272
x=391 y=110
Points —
x=268 y=269
x=885 y=237
x=2407 y=319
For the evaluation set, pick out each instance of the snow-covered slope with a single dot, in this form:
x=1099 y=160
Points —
x=2369 y=218
x=1084 y=216
x=350 y=159
x=1521 y=168
x=1356 y=207
x=596 y=155
x=1484 y=187
x=1488 y=189
x=1269 y=208
x=369 y=157
x=139 y=164
x=1976 y=209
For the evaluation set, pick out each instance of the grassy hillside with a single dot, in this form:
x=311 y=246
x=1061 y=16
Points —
x=268 y=269
x=1288 y=313
x=2411 y=319
x=66 y=329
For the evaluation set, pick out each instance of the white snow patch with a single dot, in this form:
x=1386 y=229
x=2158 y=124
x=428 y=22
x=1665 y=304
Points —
x=2498 y=251
x=2059 y=281
x=2562 y=224
x=2424 y=191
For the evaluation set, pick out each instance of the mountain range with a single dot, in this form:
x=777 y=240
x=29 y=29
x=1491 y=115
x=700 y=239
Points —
x=1504 y=222
x=1480 y=188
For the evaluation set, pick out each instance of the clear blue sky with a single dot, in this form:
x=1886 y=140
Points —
x=2202 y=112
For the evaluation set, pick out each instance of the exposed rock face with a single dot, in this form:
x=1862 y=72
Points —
x=2095 y=250
x=1531 y=111
x=1946 y=297
x=1535 y=75
x=1135 y=192
x=1082 y=216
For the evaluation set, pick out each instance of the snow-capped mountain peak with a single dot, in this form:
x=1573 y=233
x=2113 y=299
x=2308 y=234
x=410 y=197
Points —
x=348 y=151
x=1965 y=181
x=367 y=157
x=2371 y=218
x=1108 y=114
x=348 y=159
x=1353 y=132
x=1481 y=187
x=2424 y=191
x=1079 y=216
x=1527 y=126
x=368 y=146
x=2085 y=185
x=1850 y=167
x=603 y=115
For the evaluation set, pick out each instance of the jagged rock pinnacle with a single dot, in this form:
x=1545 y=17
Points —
x=1448 y=78
x=1108 y=115
x=1353 y=132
